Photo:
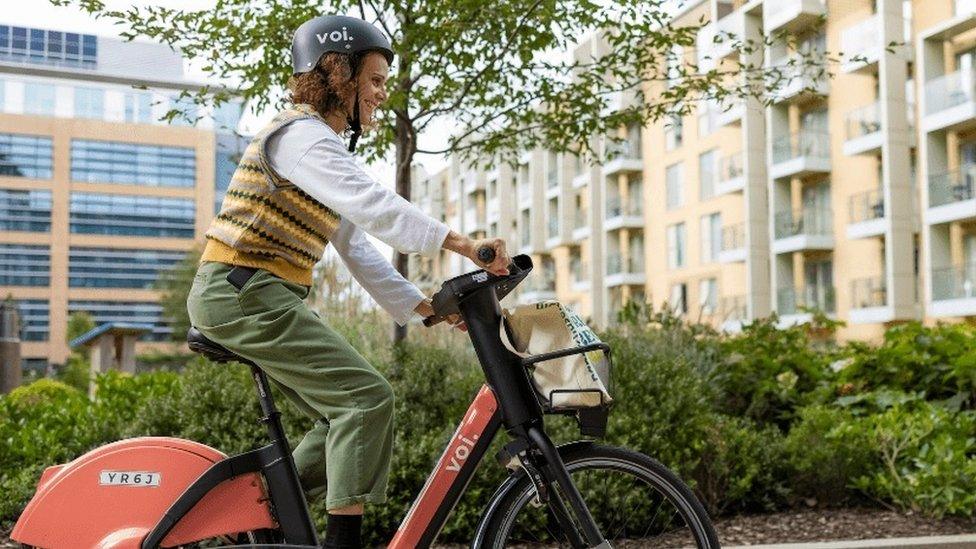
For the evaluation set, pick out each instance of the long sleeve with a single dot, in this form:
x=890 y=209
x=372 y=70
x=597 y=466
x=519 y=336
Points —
x=397 y=295
x=312 y=156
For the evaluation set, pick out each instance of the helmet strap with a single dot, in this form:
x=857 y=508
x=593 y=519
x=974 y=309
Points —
x=355 y=123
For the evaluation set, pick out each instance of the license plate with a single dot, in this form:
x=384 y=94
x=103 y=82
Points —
x=128 y=478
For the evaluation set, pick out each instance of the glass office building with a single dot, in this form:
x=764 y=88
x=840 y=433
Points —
x=99 y=195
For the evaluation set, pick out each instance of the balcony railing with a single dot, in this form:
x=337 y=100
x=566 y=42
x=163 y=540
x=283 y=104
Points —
x=733 y=308
x=957 y=282
x=622 y=149
x=952 y=186
x=730 y=167
x=866 y=206
x=579 y=270
x=616 y=264
x=580 y=219
x=804 y=143
x=866 y=120
x=964 y=6
x=797 y=73
x=808 y=221
x=869 y=292
x=860 y=38
x=616 y=207
x=542 y=282
x=790 y=301
x=734 y=237
x=552 y=178
x=950 y=90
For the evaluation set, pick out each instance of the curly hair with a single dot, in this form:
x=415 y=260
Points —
x=325 y=87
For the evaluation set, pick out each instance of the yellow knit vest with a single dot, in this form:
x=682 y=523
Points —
x=267 y=222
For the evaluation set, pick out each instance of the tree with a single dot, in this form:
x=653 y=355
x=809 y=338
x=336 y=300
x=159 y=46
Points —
x=496 y=68
x=174 y=287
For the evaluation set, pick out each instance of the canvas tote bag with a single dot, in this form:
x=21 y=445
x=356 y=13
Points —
x=549 y=326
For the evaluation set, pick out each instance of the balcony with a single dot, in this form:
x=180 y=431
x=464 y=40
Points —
x=581 y=226
x=625 y=271
x=730 y=112
x=493 y=209
x=623 y=214
x=793 y=15
x=579 y=271
x=951 y=196
x=806 y=152
x=622 y=157
x=474 y=221
x=869 y=301
x=954 y=291
x=553 y=238
x=867 y=215
x=733 y=244
x=729 y=33
x=795 y=305
x=473 y=182
x=733 y=312
x=525 y=194
x=731 y=176
x=798 y=78
x=950 y=102
x=864 y=129
x=539 y=287
x=808 y=229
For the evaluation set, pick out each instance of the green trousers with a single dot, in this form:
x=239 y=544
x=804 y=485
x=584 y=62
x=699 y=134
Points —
x=346 y=456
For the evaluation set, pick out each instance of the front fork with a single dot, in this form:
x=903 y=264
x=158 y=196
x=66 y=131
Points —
x=548 y=471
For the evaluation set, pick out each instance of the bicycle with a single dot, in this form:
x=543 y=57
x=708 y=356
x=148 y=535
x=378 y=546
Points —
x=553 y=494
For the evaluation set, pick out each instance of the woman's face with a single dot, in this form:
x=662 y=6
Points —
x=372 y=85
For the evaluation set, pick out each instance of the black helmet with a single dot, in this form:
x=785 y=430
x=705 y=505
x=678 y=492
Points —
x=335 y=33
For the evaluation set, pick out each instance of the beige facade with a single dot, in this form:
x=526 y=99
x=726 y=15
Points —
x=852 y=194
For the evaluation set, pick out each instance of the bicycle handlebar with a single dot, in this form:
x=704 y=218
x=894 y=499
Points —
x=445 y=300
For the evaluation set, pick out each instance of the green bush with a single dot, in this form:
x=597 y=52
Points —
x=824 y=452
x=740 y=467
x=923 y=459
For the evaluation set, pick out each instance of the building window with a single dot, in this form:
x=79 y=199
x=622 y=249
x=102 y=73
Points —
x=25 y=210
x=130 y=215
x=3 y=96
x=116 y=162
x=121 y=311
x=89 y=103
x=227 y=115
x=706 y=174
x=678 y=301
x=673 y=132
x=34 y=319
x=676 y=246
x=118 y=268
x=708 y=296
x=40 y=46
x=186 y=108
x=228 y=154
x=138 y=107
x=674 y=185
x=711 y=237
x=39 y=99
x=23 y=265
x=25 y=156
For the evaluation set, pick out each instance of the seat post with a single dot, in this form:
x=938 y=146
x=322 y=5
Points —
x=272 y=417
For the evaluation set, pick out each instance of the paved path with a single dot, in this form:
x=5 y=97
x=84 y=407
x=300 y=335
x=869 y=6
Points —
x=966 y=541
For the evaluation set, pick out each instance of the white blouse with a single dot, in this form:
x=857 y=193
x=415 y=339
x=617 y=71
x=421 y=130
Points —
x=312 y=156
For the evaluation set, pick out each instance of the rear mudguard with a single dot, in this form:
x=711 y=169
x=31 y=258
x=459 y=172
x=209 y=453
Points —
x=114 y=495
x=506 y=487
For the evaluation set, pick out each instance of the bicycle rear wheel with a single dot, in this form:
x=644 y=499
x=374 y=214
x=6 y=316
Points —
x=636 y=502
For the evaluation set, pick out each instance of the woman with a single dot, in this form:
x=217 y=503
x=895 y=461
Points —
x=296 y=189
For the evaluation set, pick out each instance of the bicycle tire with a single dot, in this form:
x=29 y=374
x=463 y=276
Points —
x=592 y=457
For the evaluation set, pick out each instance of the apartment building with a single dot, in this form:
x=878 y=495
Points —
x=852 y=194
x=97 y=195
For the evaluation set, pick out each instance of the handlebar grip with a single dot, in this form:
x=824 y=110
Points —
x=486 y=254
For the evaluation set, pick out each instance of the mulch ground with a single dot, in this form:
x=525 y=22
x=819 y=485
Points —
x=804 y=526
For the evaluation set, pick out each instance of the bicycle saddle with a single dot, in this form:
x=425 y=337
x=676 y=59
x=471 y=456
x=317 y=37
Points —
x=214 y=351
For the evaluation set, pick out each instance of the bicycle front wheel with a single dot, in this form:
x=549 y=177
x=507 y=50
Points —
x=636 y=502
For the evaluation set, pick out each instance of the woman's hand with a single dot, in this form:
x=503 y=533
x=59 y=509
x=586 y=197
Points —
x=469 y=248
x=499 y=266
x=426 y=309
